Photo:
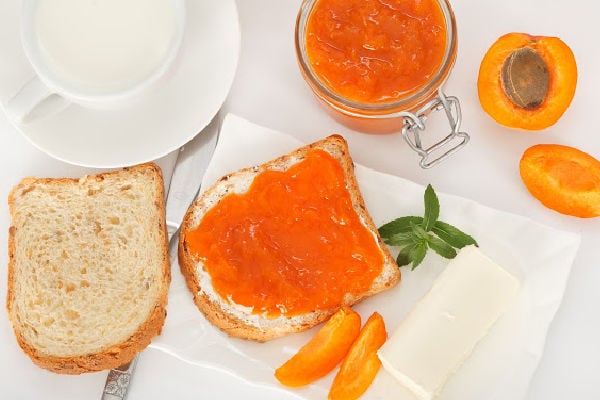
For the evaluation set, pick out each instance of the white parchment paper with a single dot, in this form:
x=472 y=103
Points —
x=502 y=364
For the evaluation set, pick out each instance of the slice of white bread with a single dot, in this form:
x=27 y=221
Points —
x=239 y=321
x=88 y=269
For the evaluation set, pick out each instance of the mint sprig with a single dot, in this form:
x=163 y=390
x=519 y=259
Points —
x=415 y=235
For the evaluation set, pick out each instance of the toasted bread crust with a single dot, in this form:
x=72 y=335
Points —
x=119 y=353
x=219 y=313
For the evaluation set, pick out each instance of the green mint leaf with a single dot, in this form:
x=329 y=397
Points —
x=401 y=239
x=401 y=224
x=420 y=232
x=432 y=208
x=412 y=235
x=452 y=235
x=441 y=247
x=405 y=255
x=418 y=254
x=413 y=253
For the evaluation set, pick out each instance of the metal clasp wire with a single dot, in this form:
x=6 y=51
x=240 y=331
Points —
x=415 y=122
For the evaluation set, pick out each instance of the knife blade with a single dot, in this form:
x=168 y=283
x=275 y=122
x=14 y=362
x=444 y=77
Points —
x=191 y=163
x=187 y=175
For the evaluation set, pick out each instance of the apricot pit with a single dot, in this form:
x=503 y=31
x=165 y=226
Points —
x=526 y=81
x=525 y=78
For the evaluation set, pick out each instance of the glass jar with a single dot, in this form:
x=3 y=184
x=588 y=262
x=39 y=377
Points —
x=406 y=113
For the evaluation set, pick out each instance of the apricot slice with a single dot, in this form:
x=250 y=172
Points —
x=361 y=365
x=323 y=352
x=526 y=81
x=562 y=178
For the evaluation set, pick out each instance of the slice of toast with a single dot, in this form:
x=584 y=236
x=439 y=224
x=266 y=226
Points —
x=241 y=320
x=88 y=269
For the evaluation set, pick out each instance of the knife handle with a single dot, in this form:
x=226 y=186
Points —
x=118 y=380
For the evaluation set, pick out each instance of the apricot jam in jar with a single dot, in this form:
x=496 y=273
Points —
x=380 y=65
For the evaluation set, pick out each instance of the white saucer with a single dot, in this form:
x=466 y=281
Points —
x=152 y=126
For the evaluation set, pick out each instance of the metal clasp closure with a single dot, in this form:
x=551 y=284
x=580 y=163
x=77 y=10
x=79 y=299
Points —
x=415 y=122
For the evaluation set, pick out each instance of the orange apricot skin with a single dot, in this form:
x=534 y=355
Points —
x=323 y=352
x=562 y=69
x=361 y=365
x=563 y=179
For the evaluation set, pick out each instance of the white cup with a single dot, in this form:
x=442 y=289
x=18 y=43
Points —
x=96 y=53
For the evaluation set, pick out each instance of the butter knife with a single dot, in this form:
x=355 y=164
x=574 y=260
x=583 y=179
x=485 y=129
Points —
x=192 y=160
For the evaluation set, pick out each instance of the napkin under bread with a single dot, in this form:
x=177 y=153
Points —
x=541 y=258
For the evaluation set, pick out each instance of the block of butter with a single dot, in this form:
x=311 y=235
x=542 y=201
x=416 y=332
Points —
x=442 y=330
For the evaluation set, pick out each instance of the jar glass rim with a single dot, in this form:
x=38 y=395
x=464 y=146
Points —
x=413 y=99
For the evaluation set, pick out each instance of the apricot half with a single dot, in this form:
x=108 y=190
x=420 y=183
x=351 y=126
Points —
x=563 y=178
x=323 y=352
x=526 y=81
x=361 y=365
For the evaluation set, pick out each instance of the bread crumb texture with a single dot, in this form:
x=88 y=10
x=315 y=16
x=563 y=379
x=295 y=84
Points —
x=89 y=268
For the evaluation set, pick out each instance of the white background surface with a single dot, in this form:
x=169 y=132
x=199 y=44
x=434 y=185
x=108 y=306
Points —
x=269 y=90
